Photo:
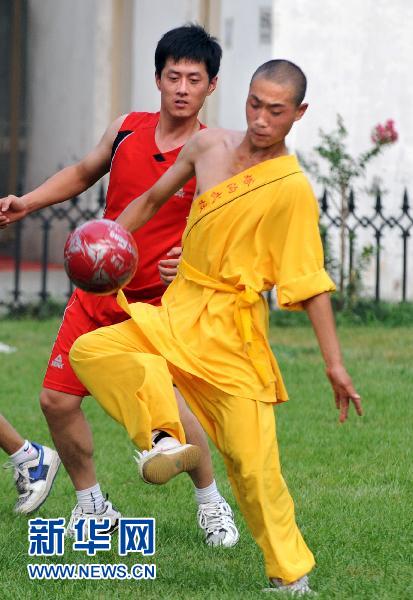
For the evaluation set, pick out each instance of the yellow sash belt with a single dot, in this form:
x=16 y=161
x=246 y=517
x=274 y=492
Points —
x=244 y=302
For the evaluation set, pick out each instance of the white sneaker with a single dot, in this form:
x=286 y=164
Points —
x=166 y=459
x=296 y=588
x=109 y=512
x=217 y=521
x=34 y=479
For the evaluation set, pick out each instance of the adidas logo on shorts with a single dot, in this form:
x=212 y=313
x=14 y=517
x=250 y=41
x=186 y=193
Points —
x=58 y=362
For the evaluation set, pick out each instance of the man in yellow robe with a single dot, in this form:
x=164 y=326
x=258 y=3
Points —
x=253 y=225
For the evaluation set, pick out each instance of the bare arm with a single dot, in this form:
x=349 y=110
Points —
x=65 y=184
x=140 y=210
x=322 y=319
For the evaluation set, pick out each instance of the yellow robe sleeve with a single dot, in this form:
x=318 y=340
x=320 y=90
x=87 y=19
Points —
x=297 y=251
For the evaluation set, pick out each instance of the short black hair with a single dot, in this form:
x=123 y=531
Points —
x=284 y=71
x=189 y=42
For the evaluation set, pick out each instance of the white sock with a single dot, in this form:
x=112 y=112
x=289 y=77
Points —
x=208 y=494
x=163 y=441
x=155 y=433
x=25 y=453
x=91 y=500
x=167 y=443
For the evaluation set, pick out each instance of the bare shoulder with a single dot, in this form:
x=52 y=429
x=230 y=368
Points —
x=114 y=127
x=213 y=136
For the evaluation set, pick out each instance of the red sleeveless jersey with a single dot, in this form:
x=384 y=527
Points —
x=137 y=164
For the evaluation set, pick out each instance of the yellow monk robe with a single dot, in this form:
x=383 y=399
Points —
x=251 y=232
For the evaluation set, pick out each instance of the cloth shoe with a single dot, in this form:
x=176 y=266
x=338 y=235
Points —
x=167 y=459
x=296 y=588
x=217 y=521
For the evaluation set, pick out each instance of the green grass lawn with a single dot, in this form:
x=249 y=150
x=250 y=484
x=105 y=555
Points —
x=352 y=483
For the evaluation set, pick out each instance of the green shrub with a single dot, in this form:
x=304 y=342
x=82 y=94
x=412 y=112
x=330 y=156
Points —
x=363 y=312
x=35 y=310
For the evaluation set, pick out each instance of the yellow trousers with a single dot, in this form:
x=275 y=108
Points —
x=134 y=386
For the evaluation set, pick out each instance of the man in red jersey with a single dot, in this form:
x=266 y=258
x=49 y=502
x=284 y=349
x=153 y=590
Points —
x=136 y=149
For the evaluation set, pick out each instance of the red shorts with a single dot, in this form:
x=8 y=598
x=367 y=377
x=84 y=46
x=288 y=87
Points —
x=77 y=321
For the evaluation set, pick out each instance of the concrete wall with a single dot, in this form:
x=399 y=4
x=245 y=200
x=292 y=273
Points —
x=358 y=59
x=236 y=25
x=69 y=79
x=151 y=19
x=69 y=44
x=245 y=35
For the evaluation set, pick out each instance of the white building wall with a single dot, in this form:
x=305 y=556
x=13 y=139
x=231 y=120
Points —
x=245 y=36
x=358 y=57
x=68 y=82
x=151 y=19
x=235 y=23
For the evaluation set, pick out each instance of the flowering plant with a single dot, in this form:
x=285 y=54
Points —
x=384 y=134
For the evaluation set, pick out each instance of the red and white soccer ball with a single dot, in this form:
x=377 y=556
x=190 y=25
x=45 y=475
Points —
x=100 y=256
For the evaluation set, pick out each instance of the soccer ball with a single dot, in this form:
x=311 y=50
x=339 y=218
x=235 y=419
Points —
x=100 y=256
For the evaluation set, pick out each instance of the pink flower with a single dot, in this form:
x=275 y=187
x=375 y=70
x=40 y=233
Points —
x=384 y=134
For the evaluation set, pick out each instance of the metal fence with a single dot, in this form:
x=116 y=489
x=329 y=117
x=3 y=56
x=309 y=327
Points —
x=376 y=223
x=73 y=212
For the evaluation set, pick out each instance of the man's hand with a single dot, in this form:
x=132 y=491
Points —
x=344 y=391
x=168 y=267
x=321 y=316
x=12 y=209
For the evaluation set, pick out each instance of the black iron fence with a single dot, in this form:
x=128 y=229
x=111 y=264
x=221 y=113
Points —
x=376 y=222
x=71 y=213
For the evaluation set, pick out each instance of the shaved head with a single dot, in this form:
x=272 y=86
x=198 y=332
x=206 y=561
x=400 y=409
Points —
x=284 y=72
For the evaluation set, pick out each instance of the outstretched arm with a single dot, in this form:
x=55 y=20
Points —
x=140 y=210
x=322 y=319
x=65 y=184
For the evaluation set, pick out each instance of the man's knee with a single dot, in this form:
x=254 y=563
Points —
x=55 y=403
